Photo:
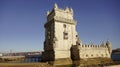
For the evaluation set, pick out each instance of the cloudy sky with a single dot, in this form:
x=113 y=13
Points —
x=22 y=22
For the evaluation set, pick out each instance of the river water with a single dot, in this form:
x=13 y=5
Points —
x=115 y=57
x=38 y=59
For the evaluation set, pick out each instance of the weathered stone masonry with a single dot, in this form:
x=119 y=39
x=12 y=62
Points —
x=62 y=41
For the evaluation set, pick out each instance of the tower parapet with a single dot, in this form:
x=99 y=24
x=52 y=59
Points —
x=95 y=46
x=63 y=15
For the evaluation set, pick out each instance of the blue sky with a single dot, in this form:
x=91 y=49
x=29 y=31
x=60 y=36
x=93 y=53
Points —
x=22 y=22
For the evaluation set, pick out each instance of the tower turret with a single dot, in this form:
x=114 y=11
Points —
x=78 y=42
x=108 y=44
x=102 y=44
x=55 y=6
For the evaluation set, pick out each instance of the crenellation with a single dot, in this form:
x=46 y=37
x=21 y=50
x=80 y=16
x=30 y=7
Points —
x=88 y=46
x=83 y=46
x=98 y=46
x=93 y=46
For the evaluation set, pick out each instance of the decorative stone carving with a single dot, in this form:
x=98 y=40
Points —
x=55 y=6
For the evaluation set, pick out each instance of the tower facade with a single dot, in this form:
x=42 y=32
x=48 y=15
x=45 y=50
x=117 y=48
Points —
x=60 y=33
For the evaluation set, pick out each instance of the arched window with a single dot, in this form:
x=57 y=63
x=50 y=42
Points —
x=64 y=25
x=102 y=55
x=86 y=55
x=65 y=35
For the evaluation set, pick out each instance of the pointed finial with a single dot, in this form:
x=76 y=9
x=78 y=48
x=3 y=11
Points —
x=108 y=41
x=71 y=9
x=55 y=6
x=91 y=42
x=48 y=12
x=102 y=44
x=67 y=9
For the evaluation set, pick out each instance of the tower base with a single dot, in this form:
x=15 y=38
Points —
x=48 y=56
x=61 y=62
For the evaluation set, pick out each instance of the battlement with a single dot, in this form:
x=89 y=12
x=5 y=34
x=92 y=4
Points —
x=56 y=8
x=65 y=14
x=102 y=45
x=93 y=46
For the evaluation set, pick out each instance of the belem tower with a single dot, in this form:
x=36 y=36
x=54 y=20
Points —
x=62 y=41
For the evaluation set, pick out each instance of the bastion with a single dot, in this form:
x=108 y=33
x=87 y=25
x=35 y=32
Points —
x=62 y=44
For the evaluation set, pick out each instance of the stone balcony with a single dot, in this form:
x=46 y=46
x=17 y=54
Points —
x=64 y=20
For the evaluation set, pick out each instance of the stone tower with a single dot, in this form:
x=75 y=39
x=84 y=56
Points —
x=60 y=34
x=62 y=42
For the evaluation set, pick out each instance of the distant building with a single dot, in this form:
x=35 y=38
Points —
x=33 y=58
x=1 y=54
x=22 y=53
x=62 y=41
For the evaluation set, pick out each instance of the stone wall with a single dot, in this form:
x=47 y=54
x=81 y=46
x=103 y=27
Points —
x=93 y=52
